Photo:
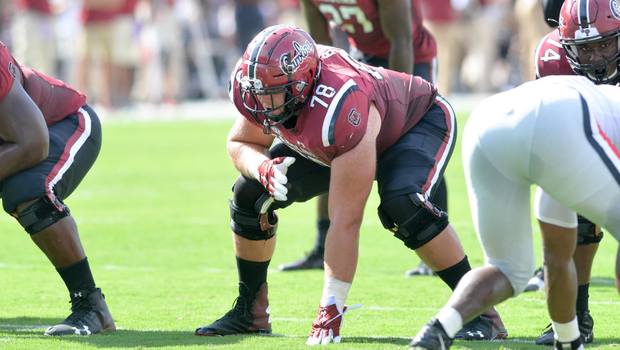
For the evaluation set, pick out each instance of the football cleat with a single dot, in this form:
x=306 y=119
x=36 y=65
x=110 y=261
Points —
x=586 y=328
x=89 y=315
x=314 y=260
x=431 y=337
x=327 y=324
x=488 y=326
x=537 y=282
x=246 y=317
x=421 y=270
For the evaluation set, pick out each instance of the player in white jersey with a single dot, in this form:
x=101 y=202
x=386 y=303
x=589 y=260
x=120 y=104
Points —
x=559 y=132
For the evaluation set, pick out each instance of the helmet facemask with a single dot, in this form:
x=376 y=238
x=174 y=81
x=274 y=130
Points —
x=278 y=70
x=591 y=23
x=598 y=72
x=294 y=99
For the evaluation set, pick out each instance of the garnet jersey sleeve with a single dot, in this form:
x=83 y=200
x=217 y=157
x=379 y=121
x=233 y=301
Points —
x=8 y=71
x=550 y=57
x=55 y=99
x=345 y=119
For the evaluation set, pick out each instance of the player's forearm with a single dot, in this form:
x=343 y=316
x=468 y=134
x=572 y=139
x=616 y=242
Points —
x=402 y=56
x=245 y=156
x=341 y=251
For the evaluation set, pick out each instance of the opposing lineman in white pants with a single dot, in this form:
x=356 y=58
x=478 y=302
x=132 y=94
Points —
x=560 y=133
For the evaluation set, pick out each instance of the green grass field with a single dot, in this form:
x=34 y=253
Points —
x=154 y=220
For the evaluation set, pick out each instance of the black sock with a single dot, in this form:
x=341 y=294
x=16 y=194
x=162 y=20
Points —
x=77 y=276
x=452 y=275
x=582 y=297
x=251 y=276
x=322 y=226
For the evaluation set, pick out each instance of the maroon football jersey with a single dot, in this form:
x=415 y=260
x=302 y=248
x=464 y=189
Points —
x=55 y=99
x=334 y=119
x=360 y=19
x=550 y=57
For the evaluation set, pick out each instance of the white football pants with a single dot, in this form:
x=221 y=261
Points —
x=516 y=139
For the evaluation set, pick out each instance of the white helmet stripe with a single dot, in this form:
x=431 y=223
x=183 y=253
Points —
x=583 y=13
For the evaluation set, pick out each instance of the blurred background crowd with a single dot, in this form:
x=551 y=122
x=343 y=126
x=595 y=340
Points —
x=127 y=52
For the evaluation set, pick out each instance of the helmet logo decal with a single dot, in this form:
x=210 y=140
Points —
x=615 y=8
x=288 y=65
x=585 y=33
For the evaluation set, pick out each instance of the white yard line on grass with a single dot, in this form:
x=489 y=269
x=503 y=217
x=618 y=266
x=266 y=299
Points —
x=23 y=326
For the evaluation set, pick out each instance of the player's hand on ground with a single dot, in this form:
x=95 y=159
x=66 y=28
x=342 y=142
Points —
x=272 y=174
x=327 y=324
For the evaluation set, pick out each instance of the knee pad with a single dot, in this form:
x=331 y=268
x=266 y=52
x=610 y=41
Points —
x=421 y=220
x=42 y=214
x=251 y=225
x=586 y=232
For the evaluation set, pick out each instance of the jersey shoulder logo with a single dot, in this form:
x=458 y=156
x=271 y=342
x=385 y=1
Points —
x=355 y=118
x=12 y=69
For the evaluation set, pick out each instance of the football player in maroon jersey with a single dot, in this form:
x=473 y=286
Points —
x=341 y=124
x=585 y=43
x=386 y=34
x=49 y=140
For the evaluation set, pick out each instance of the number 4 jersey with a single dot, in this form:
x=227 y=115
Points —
x=334 y=119
x=551 y=58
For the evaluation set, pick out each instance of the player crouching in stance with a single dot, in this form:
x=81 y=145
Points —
x=559 y=132
x=49 y=139
x=341 y=124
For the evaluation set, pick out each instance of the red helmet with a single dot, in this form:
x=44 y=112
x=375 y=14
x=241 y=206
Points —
x=586 y=22
x=279 y=59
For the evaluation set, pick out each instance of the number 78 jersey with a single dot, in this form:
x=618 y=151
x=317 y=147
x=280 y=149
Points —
x=334 y=119
x=551 y=58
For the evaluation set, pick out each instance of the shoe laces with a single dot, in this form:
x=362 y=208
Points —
x=80 y=307
x=239 y=308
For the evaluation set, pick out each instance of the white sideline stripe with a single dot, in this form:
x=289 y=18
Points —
x=107 y=267
x=130 y=221
x=602 y=280
x=275 y=335
x=117 y=267
x=19 y=266
x=23 y=326
x=293 y=319
x=381 y=308
x=604 y=302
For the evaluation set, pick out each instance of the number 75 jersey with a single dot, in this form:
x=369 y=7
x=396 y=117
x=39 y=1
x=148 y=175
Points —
x=334 y=119
x=550 y=57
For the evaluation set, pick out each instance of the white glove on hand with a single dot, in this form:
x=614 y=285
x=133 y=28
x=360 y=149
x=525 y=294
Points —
x=271 y=173
x=327 y=324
